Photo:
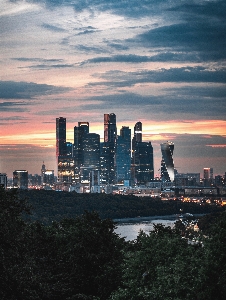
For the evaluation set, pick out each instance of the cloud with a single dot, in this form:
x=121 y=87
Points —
x=27 y=90
x=180 y=75
x=53 y=28
x=33 y=59
x=12 y=106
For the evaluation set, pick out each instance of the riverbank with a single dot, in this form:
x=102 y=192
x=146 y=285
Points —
x=152 y=218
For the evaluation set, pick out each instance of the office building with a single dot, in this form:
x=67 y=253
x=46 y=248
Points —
x=110 y=129
x=48 y=178
x=167 y=163
x=142 y=163
x=3 y=180
x=64 y=152
x=80 y=132
x=61 y=148
x=20 y=179
x=123 y=155
x=110 y=134
x=137 y=137
x=91 y=156
x=207 y=176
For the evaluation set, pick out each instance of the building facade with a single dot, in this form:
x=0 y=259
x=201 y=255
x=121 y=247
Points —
x=20 y=179
x=167 y=163
x=123 y=155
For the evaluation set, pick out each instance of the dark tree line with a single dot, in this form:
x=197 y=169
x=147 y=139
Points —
x=48 y=206
x=83 y=258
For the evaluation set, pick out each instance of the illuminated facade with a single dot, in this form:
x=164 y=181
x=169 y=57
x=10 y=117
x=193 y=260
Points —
x=20 y=179
x=61 y=149
x=137 y=137
x=123 y=155
x=3 y=180
x=91 y=156
x=142 y=163
x=167 y=164
x=64 y=152
x=110 y=134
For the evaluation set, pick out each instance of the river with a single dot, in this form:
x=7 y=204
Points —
x=129 y=228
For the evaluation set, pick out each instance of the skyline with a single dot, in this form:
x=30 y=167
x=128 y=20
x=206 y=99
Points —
x=162 y=64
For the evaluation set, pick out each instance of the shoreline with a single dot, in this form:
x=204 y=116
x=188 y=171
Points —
x=152 y=218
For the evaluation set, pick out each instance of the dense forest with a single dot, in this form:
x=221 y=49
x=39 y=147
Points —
x=48 y=206
x=83 y=258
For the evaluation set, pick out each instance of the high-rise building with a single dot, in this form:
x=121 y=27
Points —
x=91 y=156
x=110 y=134
x=137 y=137
x=167 y=164
x=65 y=160
x=123 y=155
x=61 y=148
x=85 y=125
x=142 y=163
x=48 y=177
x=20 y=179
x=207 y=176
x=91 y=148
x=80 y=132
x=110 y=129
x=3 y=180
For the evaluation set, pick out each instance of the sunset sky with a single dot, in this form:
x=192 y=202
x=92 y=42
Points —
x=159 y=62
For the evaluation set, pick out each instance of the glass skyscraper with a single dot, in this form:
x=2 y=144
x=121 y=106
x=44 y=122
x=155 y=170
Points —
x=167 y=164
x=61 y=148
x=65 y=160
x=110 y=134
x=123 y=155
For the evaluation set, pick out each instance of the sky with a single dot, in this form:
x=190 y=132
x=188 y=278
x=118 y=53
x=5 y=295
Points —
x=162 y=63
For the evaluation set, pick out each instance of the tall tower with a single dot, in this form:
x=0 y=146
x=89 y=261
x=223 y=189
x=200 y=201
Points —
x=123 y=155
x=61 y=148
x=137 y=137
x=110 y=134
x=80 y=133
x=142 y=163
x=65 y=161
x=110 y=130
x=167 y=164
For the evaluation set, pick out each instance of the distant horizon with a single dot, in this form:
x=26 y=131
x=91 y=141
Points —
x=159 y=62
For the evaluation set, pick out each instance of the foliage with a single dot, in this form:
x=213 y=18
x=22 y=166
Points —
x=83 y=258
x=48 y=206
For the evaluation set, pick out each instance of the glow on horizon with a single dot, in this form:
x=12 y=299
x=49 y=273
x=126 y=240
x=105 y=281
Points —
x=153 y=131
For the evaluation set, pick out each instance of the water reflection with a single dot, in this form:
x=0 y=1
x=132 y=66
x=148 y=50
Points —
x=131 y=230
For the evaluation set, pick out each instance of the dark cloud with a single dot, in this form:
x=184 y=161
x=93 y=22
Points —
x=27 y=90
x=180 y=75
x=48 y=66
x=87 y=32
x=30 y=59
x=118 y=46
x=12 y=106
x=89 y=49
x=44 y=63
x=208 y=39
x=174 y=103
x=53 y=28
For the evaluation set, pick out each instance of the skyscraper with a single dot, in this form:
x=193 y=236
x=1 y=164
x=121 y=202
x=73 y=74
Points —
x=123 y=155
x=207 y=176
x=142 y=163
x=91 y=155
x=167 y=164
x=137 y=137
x=20 y=179
x=61 y=148
x=110 y=129
x=65 y=161
x=110 y=134
x=80 y=133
